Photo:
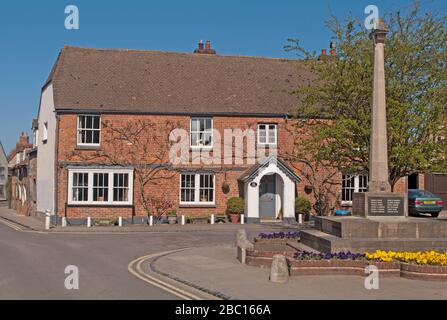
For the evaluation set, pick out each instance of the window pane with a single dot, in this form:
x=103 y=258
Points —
x=363 y=183
x=272 y=134
x=195 y=125
x=208 y=125
x=96 y=122
x=187 y=188
x=80 y=187
x=206 y=188
x=96 y=136
x=89 y=124
x=195 y=139
x=207 y=139
x=81 y=122
x=101 y=187
x=121 y=187
x=262 y=133
x=347 y=187
x=202 y=125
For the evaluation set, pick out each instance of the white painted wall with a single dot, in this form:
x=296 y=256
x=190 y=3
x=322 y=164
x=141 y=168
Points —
x=279 y=193
x=288 y=194
x=46 y=153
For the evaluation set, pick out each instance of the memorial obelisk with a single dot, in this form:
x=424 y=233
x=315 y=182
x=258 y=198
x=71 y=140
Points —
x=378 y=151
x=379 y=201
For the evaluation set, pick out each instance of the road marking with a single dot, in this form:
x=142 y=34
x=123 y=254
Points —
x=10 y=224
x=134 y=267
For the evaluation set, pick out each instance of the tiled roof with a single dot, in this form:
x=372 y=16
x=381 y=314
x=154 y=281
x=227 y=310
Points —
x=115 y=80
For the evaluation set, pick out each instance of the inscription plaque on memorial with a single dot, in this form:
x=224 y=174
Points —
x=386 y=206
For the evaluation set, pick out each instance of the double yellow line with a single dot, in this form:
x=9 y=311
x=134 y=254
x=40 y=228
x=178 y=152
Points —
x=10 y=224
x=134 y=267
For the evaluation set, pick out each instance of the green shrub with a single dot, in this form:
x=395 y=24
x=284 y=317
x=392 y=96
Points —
x=302 y=205
x=235 y=205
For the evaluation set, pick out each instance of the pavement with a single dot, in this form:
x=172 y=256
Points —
x=35 y=224
x=216 y=272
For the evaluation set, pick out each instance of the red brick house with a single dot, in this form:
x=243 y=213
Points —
x=23 y=180
x=95 y=103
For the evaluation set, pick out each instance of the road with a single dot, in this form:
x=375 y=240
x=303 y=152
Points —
x=32 y=265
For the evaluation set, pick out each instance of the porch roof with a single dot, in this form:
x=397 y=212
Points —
x=255 y=170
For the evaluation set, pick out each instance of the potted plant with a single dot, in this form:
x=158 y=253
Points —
x=235 y=207
x=172 y=217
x=302 y=206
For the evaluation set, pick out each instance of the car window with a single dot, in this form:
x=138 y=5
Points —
x=421 y=193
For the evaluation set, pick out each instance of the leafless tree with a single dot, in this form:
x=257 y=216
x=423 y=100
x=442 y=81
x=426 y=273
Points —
x=143 y=145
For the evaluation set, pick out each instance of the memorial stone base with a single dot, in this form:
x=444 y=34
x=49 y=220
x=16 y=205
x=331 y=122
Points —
x=359 y=234
x=379 y=204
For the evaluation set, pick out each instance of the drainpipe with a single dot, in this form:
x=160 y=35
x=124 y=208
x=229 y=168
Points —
x=56 y=182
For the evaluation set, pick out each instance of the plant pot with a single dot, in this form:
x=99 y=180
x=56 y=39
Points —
x=172 y=219
x=234 y=217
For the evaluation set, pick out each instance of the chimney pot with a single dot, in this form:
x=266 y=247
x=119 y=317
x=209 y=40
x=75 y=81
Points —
x=323 y=52
x=206 y=50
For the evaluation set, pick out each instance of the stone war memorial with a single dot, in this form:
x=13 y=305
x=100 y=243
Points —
x=380 y=218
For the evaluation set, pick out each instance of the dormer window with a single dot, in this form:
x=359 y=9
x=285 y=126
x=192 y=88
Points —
x=89 y=129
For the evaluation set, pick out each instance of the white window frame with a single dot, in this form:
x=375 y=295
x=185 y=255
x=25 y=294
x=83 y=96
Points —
x=356 y=187
x=267 y=133
x=90 y=173
x=2 y=174
x=191 y=132
x=197 y=190
x=45 y=132
x=80 y=144
x=35 y=138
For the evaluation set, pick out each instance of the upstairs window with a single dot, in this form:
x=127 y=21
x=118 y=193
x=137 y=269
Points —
x=267 y=134
x=201 y=132
x=89 y=129
x=351 y=184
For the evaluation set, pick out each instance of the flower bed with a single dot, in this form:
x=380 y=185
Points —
x=277 y=237
x=420 y=258
x=306 y=255
x=429 y=265
x=341 y=267
x=338 y=263
x=412 y=265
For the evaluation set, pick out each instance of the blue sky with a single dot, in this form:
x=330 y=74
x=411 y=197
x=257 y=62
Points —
x=33 y=32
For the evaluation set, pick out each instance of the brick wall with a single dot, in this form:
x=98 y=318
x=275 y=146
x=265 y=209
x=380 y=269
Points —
x=167 y=188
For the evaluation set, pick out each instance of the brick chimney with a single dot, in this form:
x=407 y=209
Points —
x=206 y=50
x=333 y=47
x=323 y=55
x=23 y=140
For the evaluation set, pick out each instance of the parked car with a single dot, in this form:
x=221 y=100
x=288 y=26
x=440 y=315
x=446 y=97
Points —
x=423 y=201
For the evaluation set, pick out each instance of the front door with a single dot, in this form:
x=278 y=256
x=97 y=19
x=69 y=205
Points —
x=267 y=197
